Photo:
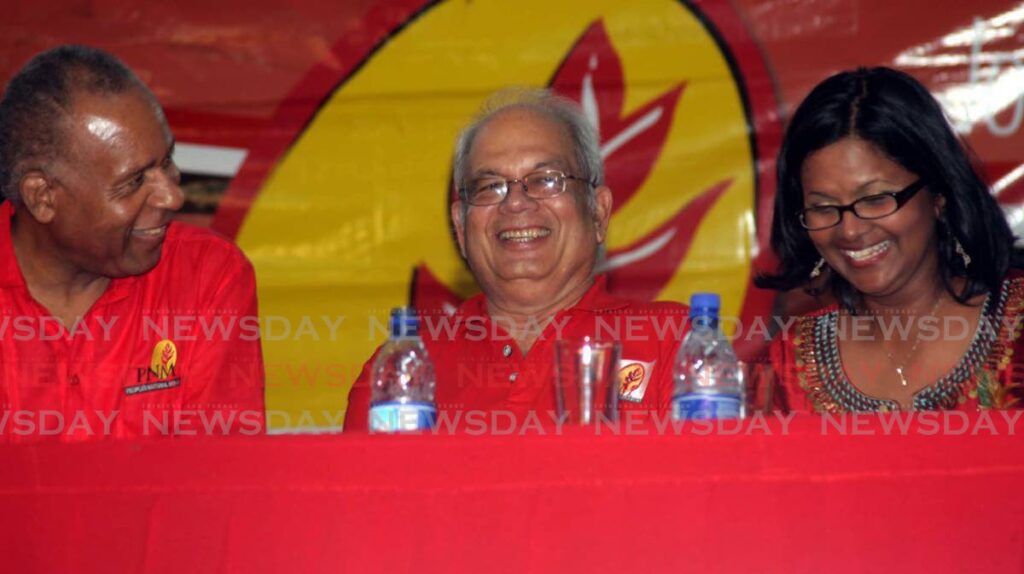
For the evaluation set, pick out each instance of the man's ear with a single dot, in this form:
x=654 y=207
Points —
x=38 y=195
x=459 y=225
x=602 y=211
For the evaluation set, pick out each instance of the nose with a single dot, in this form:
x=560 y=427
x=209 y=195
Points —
x=168 y=194
x=850 y=226
x=516 y=198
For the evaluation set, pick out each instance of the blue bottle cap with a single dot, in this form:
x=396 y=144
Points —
x=704 y=304
x=404 y=323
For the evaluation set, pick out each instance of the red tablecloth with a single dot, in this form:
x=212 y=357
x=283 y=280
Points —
x=812 y=499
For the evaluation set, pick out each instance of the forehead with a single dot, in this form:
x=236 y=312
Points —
x=128 y=123
x=520 y=138
x=848 y=163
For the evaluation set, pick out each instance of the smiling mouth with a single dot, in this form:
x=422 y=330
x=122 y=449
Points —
x=150 y=232
x=868 y=252
x=524 y=235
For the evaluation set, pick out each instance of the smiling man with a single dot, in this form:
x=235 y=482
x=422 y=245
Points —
x=531 y=220
x=105 y=303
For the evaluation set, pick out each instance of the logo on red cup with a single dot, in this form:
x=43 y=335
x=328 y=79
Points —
x=634 y=377
x=630 y=378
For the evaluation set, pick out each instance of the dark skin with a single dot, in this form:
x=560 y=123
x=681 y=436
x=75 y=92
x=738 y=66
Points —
x=100 y=211
x=893 y=264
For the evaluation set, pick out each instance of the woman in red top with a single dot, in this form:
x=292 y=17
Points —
x=878 y=206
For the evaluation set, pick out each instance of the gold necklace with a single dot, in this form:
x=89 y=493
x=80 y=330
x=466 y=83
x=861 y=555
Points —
x=917 y=341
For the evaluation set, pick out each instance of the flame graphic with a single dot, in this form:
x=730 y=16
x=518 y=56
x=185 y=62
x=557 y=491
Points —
x=166 y=355
x=592 y=75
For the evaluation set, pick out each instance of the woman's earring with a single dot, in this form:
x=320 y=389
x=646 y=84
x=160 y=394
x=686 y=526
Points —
x=959 y=248
x=817 y=268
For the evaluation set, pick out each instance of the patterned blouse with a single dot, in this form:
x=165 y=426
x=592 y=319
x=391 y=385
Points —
x=990 y=374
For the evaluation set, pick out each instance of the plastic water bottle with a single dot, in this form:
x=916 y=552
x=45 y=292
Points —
x=402 y=383
x=709 y=383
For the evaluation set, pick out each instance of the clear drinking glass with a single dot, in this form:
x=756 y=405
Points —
x=586 y=380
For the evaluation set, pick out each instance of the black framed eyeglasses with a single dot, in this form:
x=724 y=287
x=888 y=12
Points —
x=875 y=206
x=492 y=189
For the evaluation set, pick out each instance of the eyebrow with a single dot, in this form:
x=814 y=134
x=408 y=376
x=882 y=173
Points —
x=485 y=173
x=553 y=163
x=859 y=190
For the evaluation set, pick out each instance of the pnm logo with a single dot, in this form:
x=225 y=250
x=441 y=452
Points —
x=160 y=374
x=161 y=365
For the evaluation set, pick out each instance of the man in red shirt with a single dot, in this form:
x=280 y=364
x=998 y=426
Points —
x=114 y=321
x=531 y=220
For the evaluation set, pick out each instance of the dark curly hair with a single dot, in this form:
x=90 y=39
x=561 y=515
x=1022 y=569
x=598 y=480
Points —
x=40 y=96
x=895 y=113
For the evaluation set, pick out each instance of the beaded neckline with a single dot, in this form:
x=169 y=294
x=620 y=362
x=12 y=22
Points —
x=831 y=391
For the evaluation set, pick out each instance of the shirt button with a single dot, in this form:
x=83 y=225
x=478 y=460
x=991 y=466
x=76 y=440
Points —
x=507 y=350
x=74 y=380
x=512 y=377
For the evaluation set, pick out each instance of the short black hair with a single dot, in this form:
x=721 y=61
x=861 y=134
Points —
x=40 y=95
x=897 y=115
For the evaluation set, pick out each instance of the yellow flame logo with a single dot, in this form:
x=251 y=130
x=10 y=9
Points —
x=359 y=200
x=165 y=356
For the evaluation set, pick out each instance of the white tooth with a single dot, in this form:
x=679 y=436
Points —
x=523 y=234
x=868 y=252
x=151 y=232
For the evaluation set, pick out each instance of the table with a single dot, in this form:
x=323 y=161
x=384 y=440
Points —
x=801 y=494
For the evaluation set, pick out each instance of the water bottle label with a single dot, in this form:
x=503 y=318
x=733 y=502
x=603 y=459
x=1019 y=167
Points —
x=695 y=406
x=394 y=416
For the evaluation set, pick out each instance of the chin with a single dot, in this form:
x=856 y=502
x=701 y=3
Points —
x=138 y=266
x=878 y=289
x=524 y=272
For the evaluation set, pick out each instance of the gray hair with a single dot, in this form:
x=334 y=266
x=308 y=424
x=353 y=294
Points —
x=560 y=109
x=39 y=98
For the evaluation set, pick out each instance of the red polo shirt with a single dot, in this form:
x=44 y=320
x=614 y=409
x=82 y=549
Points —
x=481 y=370
x=174 y=351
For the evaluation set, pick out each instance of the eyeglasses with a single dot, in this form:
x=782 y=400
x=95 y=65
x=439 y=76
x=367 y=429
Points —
x=491 y=190
x=874 y=206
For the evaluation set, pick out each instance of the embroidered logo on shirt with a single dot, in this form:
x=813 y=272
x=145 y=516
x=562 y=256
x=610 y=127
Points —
x=161 y=373
x=165 y=356
x=633 y=379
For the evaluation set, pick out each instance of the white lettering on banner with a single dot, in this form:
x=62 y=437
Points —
x=559 y=324
x=1011 y=422
x=895 y=419
x=992 y=73
x=928 y=423
x=333 y=325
